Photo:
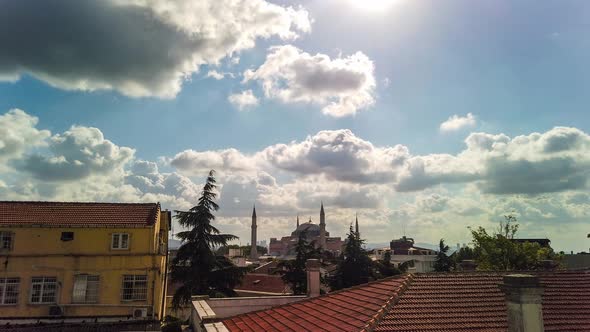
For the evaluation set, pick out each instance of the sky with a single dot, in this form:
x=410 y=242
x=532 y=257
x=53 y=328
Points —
x=424 y=118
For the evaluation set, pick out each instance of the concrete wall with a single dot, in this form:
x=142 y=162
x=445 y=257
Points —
x=225 y=307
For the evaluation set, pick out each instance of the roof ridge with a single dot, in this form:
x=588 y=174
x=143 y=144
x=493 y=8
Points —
x=394 y=299
x=77 y=202
x=308 y=299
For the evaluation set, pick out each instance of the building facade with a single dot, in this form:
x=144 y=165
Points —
x=316 y=233
x=403 y=251
x=82 y=260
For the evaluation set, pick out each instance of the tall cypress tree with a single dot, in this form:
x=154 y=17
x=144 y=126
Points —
x=196 y=266
x=354 y=267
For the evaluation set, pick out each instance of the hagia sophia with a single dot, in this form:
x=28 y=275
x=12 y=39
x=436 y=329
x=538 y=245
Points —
x=313 y=232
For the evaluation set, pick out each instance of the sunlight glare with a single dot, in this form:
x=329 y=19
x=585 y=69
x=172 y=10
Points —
x=373 y=5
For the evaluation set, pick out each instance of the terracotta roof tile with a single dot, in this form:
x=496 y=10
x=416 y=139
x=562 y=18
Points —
x=435 y=302
x=78 y=214
x=254 y=282
x=474 y=302
x=346 y=310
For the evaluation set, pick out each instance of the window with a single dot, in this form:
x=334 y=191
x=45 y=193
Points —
x=85 y=288
x=9 y=290
x=67 y=236
x=6 y=240
x=134 y=288
x=43 y=290
x=120 y=241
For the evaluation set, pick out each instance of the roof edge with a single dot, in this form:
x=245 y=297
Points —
x=393 y=300
x=306 y=299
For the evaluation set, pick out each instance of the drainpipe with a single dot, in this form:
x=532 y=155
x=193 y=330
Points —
x=312 y=266
x=524 y=302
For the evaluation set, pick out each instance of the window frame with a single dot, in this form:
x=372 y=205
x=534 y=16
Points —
x=66 y=239
x=119 y=241
x=4 y=235
x=134 y=291
x=4 y=281
x=88 y=298
x=45 y=281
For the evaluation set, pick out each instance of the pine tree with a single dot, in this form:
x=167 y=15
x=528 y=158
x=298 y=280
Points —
x=354 y=267
x=293 y=271
x=443 y=262
x=196 y=266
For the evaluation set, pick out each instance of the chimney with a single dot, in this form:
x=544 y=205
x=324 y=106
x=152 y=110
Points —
x=523 y=300
x=312 y=266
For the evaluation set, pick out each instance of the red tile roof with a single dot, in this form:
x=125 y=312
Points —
x=474 y=302
x=351 y=309
x=78 y=214
x=255 y=282
x=426 y=302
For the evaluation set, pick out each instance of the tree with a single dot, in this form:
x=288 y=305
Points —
x=499 y=252
x=384 y=268
x=196 y=266
x=293 y=272
x=443 y=262
x=354 y=267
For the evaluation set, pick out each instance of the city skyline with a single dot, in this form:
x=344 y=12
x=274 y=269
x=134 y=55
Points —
x=424 y=118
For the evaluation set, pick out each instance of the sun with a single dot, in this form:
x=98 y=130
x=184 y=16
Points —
x=373 y=5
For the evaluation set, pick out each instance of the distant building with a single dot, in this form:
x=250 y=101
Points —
x=90 y=261
x=403 y=251
x=313 y=232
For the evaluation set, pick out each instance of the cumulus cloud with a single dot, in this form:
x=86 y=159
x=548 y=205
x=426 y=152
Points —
x=137 y=47
x=340 y=155
x=554 y=161
x=243 y=100
x=457 y=122
x=18 y=133
x=196 y=163
x=76 y=154
x=341 y=86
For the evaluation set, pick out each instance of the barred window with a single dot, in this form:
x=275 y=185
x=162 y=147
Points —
x=134 y=288
x=120 y=241
x=85 y=288
x=9 y=290
x=6 y=240
x=43 y=290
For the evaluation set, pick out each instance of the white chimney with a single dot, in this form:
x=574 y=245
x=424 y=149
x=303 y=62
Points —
x=523 y=299
x=312 y=266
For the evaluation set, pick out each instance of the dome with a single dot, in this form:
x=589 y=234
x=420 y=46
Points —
x=309 y=228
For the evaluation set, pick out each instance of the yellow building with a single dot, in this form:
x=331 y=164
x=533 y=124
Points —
x=83 y=260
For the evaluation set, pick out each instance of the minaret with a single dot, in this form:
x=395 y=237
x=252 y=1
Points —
x=356 y=229
x=253 y=251
x=322 y=228
x=297 y=221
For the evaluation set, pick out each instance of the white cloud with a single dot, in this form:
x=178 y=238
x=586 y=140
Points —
x=341 y=86
x=430 y=196
x=243 y=100
x=76 y=154
x=218 y=75
x=18 y=133
x=457 y=122
x=138 y=47
x=197 y=163
x=340 y=155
